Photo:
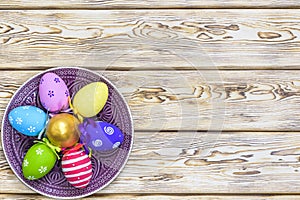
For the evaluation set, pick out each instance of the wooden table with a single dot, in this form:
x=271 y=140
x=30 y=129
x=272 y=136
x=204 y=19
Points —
x=222 y=127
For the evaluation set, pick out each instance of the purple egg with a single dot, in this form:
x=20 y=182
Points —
x=53 y=93
x=100 y=136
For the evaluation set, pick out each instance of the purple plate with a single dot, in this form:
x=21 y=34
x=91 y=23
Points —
x=106 y=166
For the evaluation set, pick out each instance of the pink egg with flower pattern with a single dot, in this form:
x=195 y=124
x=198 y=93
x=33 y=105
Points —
x=53 y=93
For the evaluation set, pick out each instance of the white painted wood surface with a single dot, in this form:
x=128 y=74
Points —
x=238 y=100
x=201 y=163
x=150 y=39
x=163 y=197
x=182 y=71
x=153 y=4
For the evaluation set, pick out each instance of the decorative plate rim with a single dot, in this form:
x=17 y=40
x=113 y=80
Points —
x=120 y=169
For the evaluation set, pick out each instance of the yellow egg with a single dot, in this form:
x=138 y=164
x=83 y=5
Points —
x=90 y=99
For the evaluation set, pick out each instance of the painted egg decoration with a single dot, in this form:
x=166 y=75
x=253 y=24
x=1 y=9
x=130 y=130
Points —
x=77 y=167
x=28 y=120
x=62 y=130
x=53 y=93
x=90 y=99
x=100 y=135
x=38 y=161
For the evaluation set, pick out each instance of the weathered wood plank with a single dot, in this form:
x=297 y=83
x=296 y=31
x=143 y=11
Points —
x=189 y=162
x=159 y=196
x=92 y=4
x=151 y=39
x=252 y=100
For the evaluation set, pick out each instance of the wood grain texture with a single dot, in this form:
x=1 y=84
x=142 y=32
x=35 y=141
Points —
x=252 y=100
x=189 y=162
x=151 y=39
x=96 y=4
x=158 y=196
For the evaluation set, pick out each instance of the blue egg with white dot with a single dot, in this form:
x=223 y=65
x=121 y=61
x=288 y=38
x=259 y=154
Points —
x=100 y=135
x=28 y=120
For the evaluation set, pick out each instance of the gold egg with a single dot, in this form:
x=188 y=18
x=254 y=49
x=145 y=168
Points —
x=62 y=130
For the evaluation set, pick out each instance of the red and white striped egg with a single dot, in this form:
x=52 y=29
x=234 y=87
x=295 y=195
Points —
x=77 y=168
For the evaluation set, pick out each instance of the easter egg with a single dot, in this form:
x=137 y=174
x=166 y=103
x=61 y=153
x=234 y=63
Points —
x=53 y=93
x=62 y=130
x=101 y=136
x=90 y=99
x=38 y=161
x=28 y=120
x=77 y=168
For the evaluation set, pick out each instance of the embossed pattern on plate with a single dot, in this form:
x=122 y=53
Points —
x=106 y=166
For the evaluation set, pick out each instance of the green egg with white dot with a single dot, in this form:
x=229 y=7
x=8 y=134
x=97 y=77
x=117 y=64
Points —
x=38 y=161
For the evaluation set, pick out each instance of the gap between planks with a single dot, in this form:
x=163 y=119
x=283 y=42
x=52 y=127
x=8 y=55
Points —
x=155 y=196
x=149 y=8
x=150 y=4
x=127 y=69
